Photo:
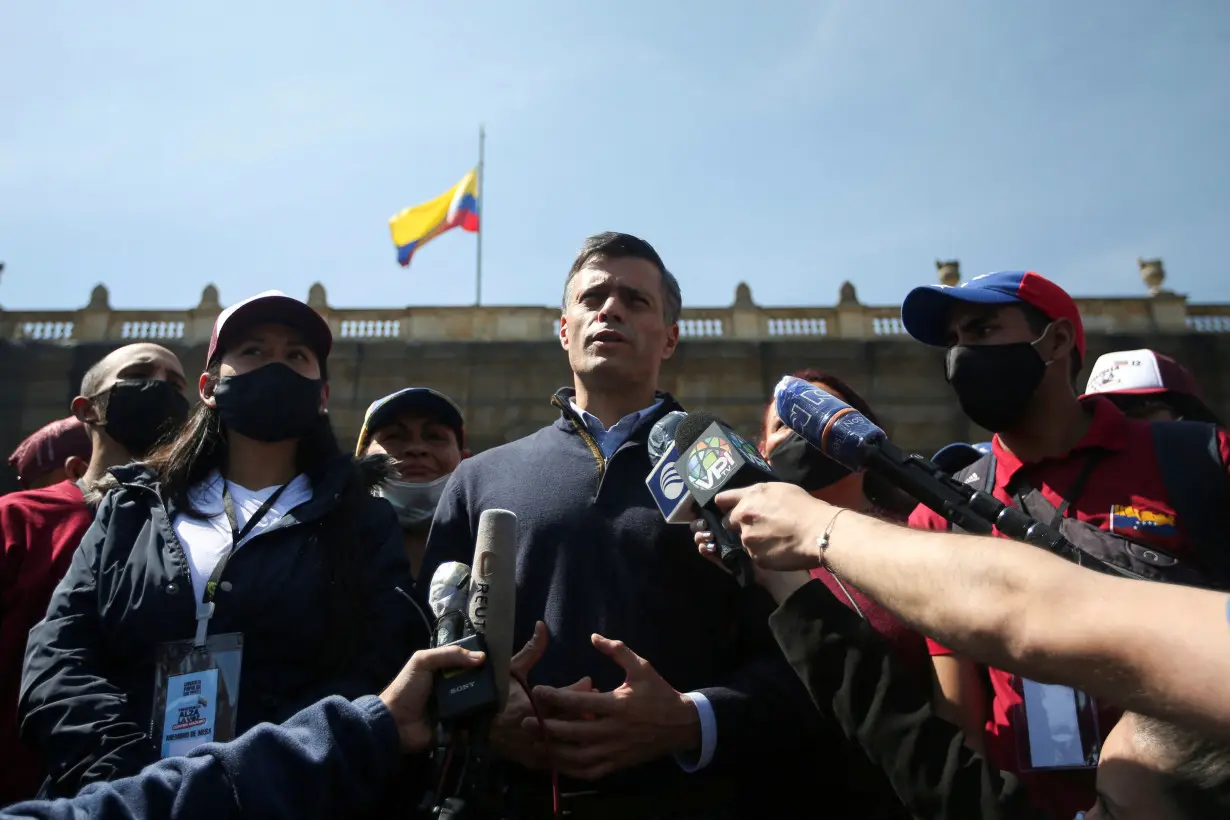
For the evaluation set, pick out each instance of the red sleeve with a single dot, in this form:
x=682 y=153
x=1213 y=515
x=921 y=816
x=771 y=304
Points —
x=1223 y=444
x=13 y=546
x=925 y=518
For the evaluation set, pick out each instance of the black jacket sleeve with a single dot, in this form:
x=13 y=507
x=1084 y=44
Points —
x=394 y=626
x=330 y=760
x=68 y=708
x=852 y=678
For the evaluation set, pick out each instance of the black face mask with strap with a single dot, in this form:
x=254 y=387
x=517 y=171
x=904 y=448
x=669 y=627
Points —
x=796 y=461
x=271 y=403
x=995 y=383
x=141 y=412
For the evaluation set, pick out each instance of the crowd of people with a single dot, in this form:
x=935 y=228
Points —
x=202 y=590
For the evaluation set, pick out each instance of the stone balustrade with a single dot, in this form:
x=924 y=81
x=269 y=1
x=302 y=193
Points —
x=1160 y=312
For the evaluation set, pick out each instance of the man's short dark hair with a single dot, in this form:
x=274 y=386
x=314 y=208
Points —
x=1197 y=776
x=92 y=381
x=1038 y=322
x=612 y=245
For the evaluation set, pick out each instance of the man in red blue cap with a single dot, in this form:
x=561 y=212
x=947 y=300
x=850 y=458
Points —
x=1015 y=345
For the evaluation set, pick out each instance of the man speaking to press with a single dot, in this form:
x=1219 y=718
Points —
x=663 y=692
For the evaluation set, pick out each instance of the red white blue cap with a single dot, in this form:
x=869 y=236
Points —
x=926 y=310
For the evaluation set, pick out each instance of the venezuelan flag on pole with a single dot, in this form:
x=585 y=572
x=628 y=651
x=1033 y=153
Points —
x=455 y=208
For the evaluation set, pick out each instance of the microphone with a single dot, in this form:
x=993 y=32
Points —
x=662 y=436
x=493 y=593
x=448 y=595
x=716 y=458
x=664 y=482
x=849 y=438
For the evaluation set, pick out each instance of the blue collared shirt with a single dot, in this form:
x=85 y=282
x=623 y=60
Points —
x=608 y=442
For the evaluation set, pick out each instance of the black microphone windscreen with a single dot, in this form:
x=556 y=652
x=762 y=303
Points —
x=691 y=428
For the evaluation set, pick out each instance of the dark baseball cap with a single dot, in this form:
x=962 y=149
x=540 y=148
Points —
x=270 y=307
x=926 y=310
x=959 y=455
x=424 y=400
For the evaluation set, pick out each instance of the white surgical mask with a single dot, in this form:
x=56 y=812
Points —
x=415 y=502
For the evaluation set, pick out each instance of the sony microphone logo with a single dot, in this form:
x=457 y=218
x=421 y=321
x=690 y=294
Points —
x=462 y=687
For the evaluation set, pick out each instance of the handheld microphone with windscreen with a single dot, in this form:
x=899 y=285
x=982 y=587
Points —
x=448 y=595
x=848 y=437
x=713 y=457
x=493 y=592
x=664 y=482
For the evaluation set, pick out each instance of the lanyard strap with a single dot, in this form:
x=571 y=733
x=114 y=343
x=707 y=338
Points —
x=1023 y=488
x=237 y=534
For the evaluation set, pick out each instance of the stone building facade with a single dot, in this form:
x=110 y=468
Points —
x=502 y=364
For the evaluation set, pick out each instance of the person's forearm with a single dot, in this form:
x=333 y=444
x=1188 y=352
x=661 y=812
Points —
x=1165 y=651
x=330 y=760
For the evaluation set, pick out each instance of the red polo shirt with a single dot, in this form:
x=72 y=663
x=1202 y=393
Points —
x=41 y=530
x=1126 y=482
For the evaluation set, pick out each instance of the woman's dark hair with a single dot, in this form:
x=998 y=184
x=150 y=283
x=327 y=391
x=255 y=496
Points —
x=880 y=493
x=200 y=447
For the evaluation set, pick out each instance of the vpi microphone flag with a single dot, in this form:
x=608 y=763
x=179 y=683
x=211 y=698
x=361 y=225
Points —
x=455 y=208
x=668 y=490
x=717 y=454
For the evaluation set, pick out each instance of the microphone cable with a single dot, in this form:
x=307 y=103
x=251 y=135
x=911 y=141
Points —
x=546 y=742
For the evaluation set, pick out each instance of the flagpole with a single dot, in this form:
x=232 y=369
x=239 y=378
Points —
x=478 y=259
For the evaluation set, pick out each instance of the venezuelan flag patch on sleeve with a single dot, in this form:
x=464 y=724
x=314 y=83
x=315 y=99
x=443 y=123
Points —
x=1128 y=520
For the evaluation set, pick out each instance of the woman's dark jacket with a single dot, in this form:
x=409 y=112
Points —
x=855 y=681
x=320 y=597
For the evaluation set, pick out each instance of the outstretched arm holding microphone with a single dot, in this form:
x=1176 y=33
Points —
x=1165 y=653
x=332 y=759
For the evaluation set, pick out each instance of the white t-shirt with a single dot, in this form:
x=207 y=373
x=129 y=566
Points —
x=206 y=540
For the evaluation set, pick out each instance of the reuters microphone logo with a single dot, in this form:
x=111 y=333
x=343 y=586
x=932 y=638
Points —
x=670 y=482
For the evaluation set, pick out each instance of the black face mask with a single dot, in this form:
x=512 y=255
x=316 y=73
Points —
x=796 y=461
x=994 y=383
x=140 y=412
x=272 y=403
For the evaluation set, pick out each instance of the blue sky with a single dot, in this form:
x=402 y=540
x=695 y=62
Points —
x=156 y=147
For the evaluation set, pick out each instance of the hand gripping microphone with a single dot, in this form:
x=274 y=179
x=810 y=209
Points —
x=474 y=609
x=664 y=482
x=713 y=458
x=468 y=699
x=849 y=438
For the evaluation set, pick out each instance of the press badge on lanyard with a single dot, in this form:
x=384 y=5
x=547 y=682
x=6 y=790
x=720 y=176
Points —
x=196 y=682
x=1056 y=727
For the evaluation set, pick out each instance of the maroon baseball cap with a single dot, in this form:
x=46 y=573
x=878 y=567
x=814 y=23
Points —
x=1149 y=373
x=270 y=307
x=50 y=446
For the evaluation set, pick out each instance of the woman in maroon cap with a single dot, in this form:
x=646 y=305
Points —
x=244 y=571
x=1149 y=385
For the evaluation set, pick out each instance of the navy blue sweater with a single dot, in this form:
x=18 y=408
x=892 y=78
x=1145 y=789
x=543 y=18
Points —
x=595 y=555
x=333 y=759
